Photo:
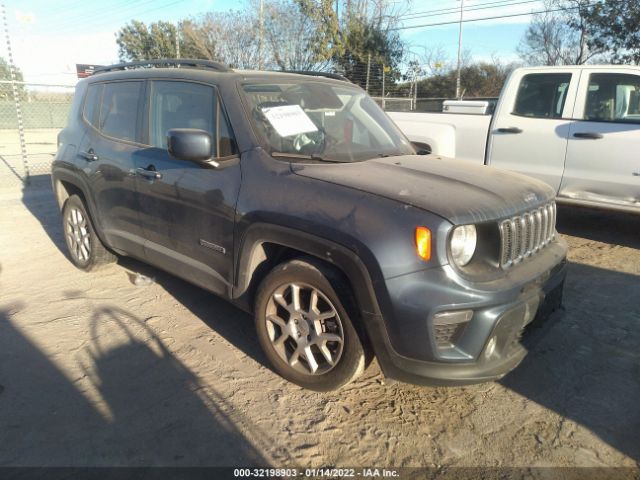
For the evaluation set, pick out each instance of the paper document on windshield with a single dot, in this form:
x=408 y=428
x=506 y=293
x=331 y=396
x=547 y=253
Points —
x=289 y=120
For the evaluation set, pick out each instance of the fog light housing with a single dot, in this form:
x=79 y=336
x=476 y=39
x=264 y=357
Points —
x=491 y=347
x=448 y=326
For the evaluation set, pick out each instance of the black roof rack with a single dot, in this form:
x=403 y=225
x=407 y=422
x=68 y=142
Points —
x=165 y=62
x=335 y=76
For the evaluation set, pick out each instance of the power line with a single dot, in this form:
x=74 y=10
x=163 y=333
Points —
x=79 y=21
x=63 y=13
x=120 y=13
x=495 y=17
x=483 y=6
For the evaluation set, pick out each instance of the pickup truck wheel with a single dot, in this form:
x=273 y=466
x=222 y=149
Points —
x=304 y=329
x=84 y=246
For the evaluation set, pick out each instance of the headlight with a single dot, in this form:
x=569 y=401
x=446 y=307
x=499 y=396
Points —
x=463 y=244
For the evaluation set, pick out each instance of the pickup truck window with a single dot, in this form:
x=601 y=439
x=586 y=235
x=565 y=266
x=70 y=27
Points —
x=613 y=97
x=542 y=95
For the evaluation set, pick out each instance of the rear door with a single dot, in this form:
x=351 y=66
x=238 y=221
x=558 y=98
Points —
x=111 y=111
x=188 y=211
x=530 y=129
x=603 y=165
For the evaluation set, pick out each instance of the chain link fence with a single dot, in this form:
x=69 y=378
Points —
x=396 y=92
x=29 y=127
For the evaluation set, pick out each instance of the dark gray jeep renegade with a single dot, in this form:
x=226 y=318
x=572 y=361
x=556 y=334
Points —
x=296 y=198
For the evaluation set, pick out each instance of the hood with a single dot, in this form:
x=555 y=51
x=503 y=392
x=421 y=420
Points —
x=461 y=192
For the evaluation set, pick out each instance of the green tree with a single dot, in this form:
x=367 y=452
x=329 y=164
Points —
x=360 y=38
x=481 y=79
x=137 y=42
x=6 y=90
x=615 y=27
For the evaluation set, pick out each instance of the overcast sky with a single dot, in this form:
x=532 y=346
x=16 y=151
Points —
x=50 y=36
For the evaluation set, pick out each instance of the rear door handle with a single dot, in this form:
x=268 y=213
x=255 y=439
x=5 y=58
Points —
x=509 y=130
x=150 y=174
x=89 y=156
x=588 y=135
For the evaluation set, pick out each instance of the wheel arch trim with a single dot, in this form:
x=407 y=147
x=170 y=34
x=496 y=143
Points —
x=345 y=260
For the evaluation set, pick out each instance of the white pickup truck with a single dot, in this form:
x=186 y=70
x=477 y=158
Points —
x=576 y=127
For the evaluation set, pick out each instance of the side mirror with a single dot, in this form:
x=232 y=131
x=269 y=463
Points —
x=189 y=144
x=421 y=148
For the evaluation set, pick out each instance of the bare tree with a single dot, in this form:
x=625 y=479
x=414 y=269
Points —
x=559 y=36
x=290 y=38
x=229 y=37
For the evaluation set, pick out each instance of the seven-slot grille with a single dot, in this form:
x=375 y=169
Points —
x=526 y=234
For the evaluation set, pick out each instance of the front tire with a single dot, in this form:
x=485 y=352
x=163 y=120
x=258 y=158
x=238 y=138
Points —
x=86 y=251
x=304 y=329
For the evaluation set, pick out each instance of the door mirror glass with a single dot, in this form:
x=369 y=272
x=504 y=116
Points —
x=189 y=144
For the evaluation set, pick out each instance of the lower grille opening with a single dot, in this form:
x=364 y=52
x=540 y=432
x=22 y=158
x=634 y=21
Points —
x=446 y=335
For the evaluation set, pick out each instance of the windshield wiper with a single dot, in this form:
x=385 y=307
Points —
x=303 y=156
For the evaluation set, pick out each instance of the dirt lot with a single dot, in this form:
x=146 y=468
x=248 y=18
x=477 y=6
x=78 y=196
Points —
x=40 y=145
x=95 y=370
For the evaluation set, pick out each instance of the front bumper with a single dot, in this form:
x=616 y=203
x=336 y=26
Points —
x=490 y=345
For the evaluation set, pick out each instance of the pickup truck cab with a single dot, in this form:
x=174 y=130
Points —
x=577 y=128
x=297 y=199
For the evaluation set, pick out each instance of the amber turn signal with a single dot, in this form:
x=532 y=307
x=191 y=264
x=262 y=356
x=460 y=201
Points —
x=423 y=242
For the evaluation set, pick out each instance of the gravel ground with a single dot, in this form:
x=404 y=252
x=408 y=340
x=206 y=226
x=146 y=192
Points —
x=95 y=370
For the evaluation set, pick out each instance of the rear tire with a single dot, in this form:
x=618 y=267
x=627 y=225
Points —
x=86 y=251
x=305 y=330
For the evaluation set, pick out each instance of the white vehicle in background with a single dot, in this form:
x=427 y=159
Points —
x=576 y=128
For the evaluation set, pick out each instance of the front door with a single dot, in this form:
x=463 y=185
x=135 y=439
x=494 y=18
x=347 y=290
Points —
x=188 y=210
x=603 y=164
x=529 y=131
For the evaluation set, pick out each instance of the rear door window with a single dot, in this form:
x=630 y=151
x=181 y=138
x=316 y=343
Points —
x=119 y=110
x=613 y=97
x=542 y=95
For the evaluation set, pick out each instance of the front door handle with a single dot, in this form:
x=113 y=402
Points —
x=150 y=174
x=588 y=135
x=509 y=130
x=89 y=155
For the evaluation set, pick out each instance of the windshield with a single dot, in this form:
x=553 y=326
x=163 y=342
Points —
x=322 y=121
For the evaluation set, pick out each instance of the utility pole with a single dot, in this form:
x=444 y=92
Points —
x=383 y=100
x=16 y=97
x=368 y=71
x=178 y=40
x=459 y=50
x=261 y=35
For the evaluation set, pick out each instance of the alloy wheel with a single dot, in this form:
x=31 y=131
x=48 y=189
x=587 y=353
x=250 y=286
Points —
x=305 y=328
x=78 y=235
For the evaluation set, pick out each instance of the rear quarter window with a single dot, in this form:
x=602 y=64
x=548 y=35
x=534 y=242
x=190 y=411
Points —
x=91 y=106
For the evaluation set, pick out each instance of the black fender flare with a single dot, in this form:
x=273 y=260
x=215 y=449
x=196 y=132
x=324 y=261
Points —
x=65 y=175
x=344 y=259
